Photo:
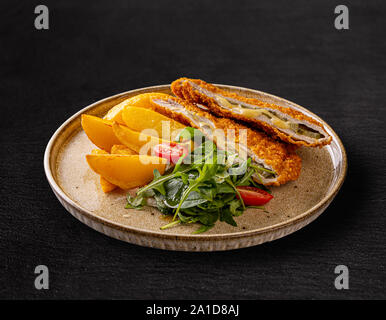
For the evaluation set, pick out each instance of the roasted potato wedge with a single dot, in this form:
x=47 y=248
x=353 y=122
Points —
x=139 y=119
x=99 y=131
x=121 y=149
x=126 y=171
x=106 y=186
x=140 y=100
x=137 y=141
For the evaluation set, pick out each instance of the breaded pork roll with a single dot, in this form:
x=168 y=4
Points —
x=287 y=124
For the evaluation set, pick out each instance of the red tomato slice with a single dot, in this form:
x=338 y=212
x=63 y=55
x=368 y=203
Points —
x=254 y=196
x=170 y=151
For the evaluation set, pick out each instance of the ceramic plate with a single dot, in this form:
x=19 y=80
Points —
x=295 y=204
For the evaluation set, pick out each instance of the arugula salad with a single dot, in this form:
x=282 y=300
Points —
x=202 y=186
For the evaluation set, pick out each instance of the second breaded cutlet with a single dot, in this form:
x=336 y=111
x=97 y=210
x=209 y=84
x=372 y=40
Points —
x=269 y=154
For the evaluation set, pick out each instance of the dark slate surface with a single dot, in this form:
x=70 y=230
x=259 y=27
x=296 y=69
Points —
x=96 y=49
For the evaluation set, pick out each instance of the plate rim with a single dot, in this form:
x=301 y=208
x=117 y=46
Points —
x=321 y=205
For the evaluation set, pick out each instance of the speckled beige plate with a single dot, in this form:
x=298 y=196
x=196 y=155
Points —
x=295 y=204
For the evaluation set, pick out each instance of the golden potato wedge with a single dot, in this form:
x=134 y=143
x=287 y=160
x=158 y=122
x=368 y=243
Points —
x=115 y=113
x=106 y=186
x=139 y=119
x=140 y=100
x=98 y=151
x=121 y=149
x=99 y=131
x=137 y=141
x=126 y=171
x=143 y=100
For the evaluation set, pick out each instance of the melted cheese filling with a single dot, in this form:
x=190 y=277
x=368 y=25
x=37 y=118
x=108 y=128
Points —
x=275 y=120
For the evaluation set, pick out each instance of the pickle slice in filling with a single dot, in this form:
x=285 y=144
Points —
x=303 y=130
x=284 y=123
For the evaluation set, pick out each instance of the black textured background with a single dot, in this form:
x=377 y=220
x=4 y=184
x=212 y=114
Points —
x=96 y=49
